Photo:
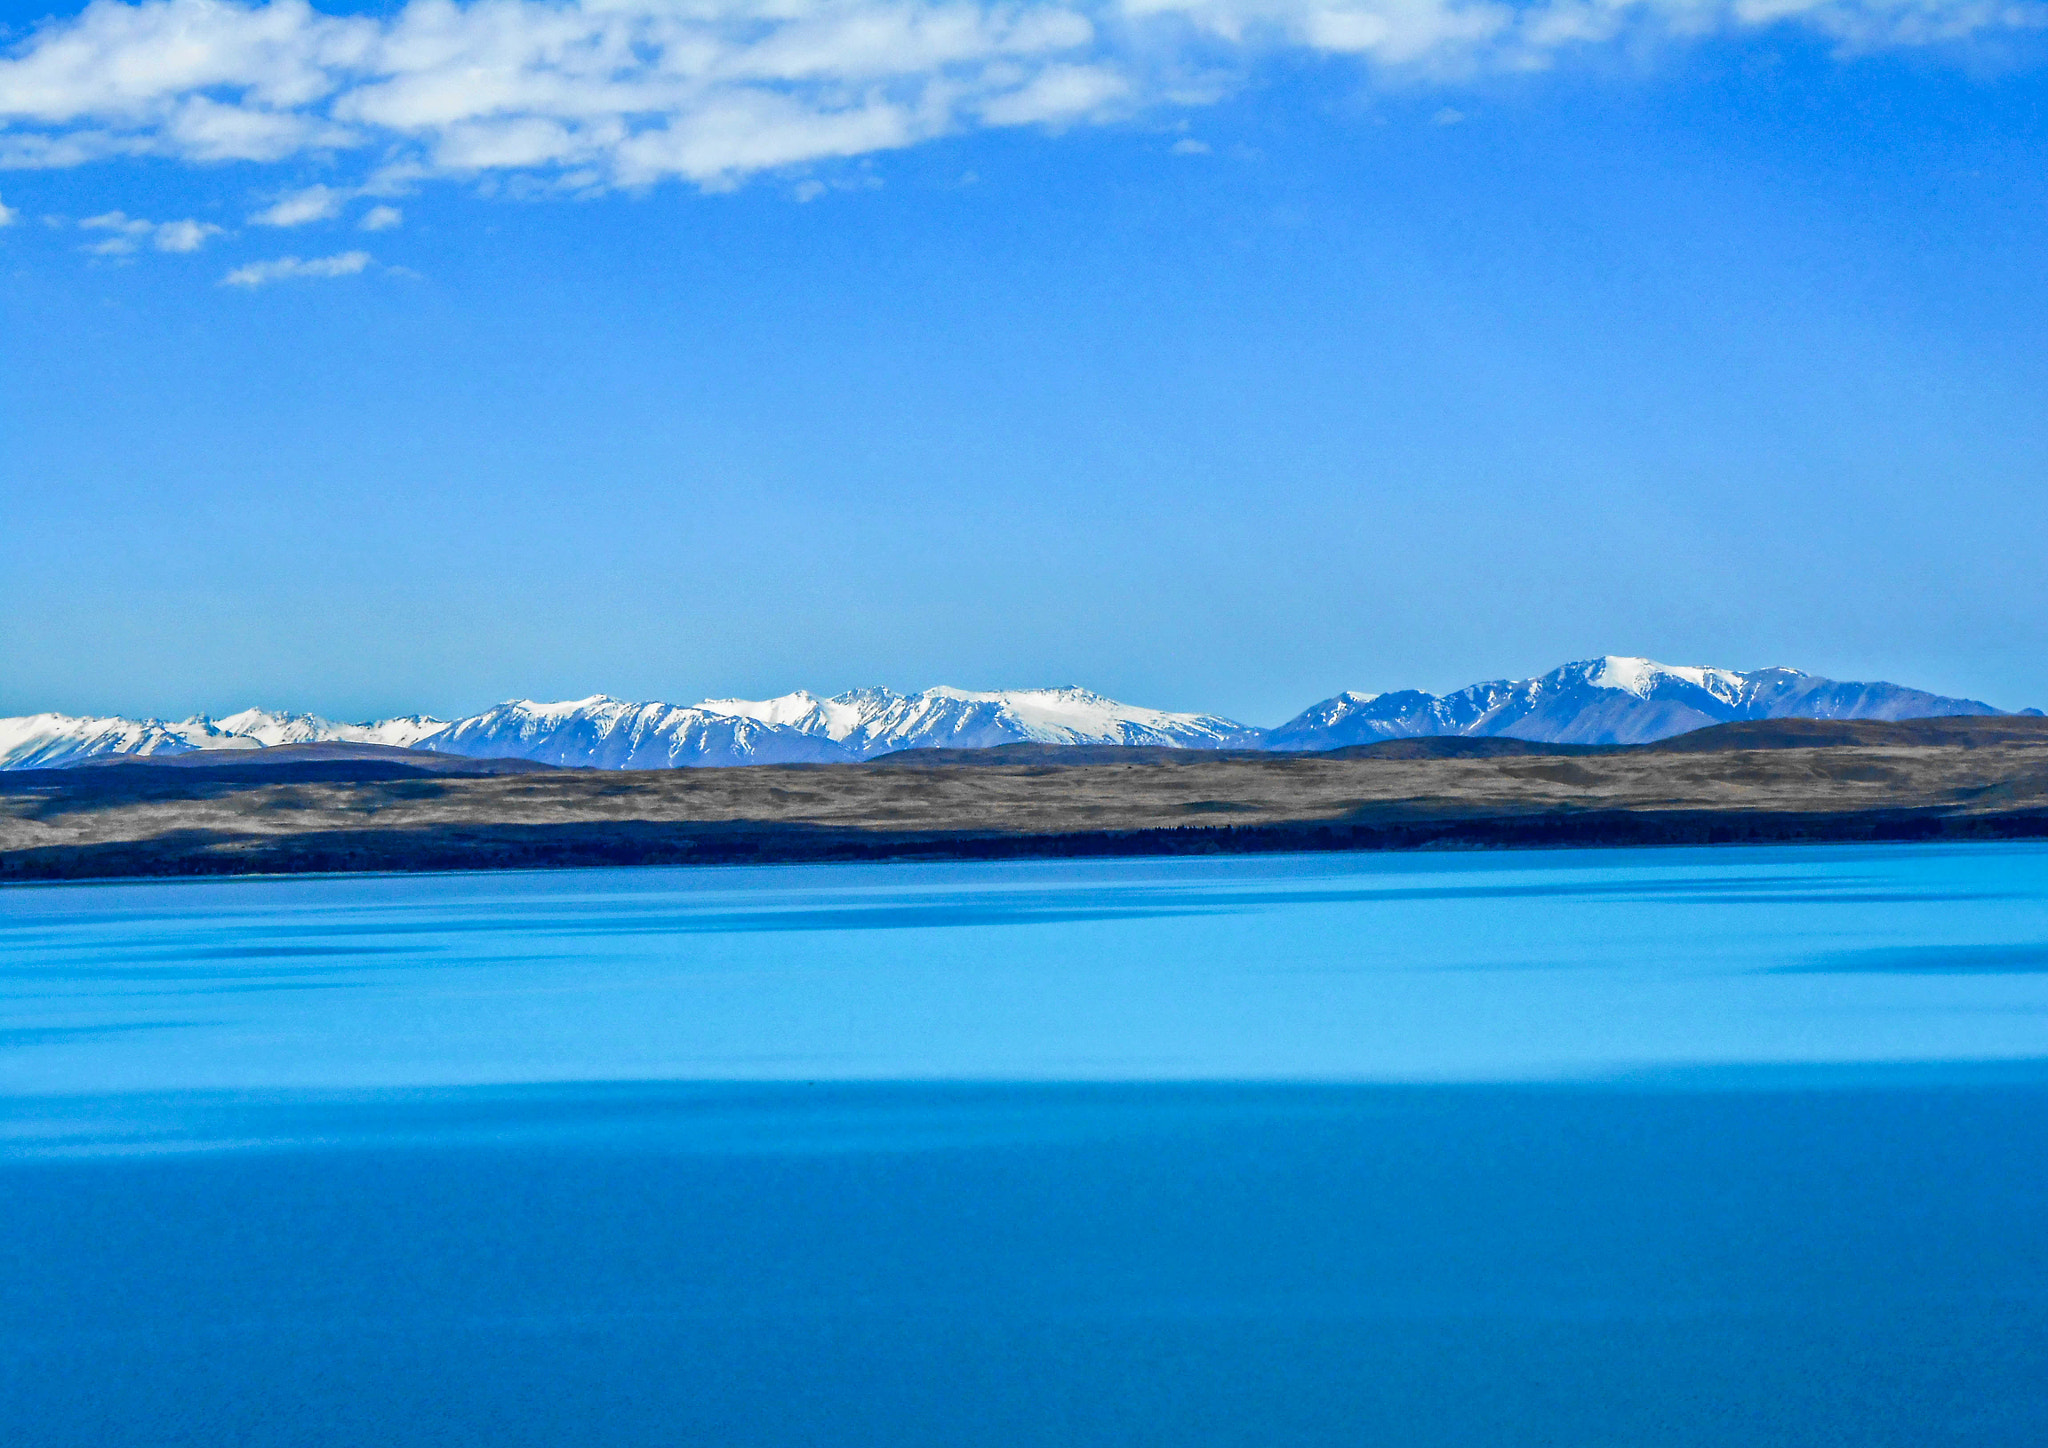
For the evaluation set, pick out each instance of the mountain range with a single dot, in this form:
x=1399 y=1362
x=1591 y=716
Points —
x=1610 y=700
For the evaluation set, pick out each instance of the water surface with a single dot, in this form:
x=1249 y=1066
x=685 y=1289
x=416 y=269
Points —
x=1676 y=1146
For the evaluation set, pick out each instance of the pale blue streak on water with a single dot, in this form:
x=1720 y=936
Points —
x=1684 y=1146
x=1540 y=965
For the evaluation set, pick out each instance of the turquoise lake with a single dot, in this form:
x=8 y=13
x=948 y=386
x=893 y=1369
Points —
x=1730 y=1146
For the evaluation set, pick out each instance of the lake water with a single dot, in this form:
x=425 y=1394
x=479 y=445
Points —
x=1733 y=1146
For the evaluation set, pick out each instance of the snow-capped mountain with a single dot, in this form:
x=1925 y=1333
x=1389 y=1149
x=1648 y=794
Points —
x=802 y=728
x=1595 y=701
x=1606 y=701
x=868 y=722
x=52 y=741
x=606 y=733
x=270 y=726
x=55 y=741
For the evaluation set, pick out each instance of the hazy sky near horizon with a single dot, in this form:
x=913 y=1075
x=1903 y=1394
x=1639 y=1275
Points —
x=1214 y=354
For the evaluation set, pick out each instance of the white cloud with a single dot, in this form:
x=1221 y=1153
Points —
x=184 y=235
x=287 y=268
x=130 y=233
x=314 y=203
x=1058 y=93
x=127 y=237
x=1188 y=146
x=8 y=215
x=593 y=93
x=324 y=203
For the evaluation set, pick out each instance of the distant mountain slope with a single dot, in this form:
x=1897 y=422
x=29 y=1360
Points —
x=1609 y=700
x=1595 y=701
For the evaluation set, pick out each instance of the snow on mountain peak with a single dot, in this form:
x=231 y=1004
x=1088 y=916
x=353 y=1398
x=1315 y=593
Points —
x=265 y=728
x=1631 y=676
x=801 y=710
x=1641 y=677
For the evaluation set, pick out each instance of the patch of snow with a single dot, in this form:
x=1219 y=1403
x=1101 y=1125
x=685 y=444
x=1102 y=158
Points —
x=1640 y=677
x=264 y=728
x=1631 y=676
x=405 y=731
x=835 y=719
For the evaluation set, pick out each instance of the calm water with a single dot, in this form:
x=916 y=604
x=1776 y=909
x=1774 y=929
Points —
x=1674 y=1147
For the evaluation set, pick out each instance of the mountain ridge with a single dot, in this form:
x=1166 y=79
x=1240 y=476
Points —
x=1609 y=700
x=1614 y=699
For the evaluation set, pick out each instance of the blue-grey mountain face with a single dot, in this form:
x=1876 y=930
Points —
x=1606 y=701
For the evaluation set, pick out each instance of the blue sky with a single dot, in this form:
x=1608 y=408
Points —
x=1214 y=356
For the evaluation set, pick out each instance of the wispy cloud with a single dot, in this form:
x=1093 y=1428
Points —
x=290 y=268
x=324 y=203
x=314 y=203
x=625 y=92
x=129 y=234
x=8 y=215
